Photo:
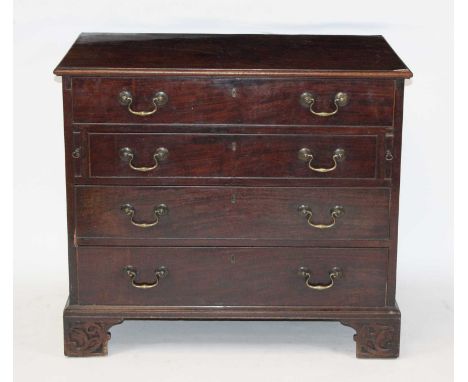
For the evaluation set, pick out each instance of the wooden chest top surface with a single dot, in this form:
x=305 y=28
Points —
x=275 y=55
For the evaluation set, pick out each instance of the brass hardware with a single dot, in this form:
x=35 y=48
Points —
x=388 y=155
x=132 y=272
x=307 y=99
x=305 y=155
x=76 y=153
x=335 y=273
x=127 y=155
x=335 y=213
x=158 y=211
x=159 y=99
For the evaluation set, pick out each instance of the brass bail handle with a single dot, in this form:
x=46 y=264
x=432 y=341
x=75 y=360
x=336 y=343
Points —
x=159 y=99
x=132 y=272
x=158 y=211
x=334 y=274
x=307 y=99
x=306 y=155
x=127 y=155
x=335 y=213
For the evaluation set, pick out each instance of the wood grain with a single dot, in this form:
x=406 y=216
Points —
x=232 y=276
x=232 y=156
x=232 y=212
x=234 y=55
x=196 y=100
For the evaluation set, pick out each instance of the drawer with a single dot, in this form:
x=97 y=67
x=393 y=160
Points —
x=233 y=101
x=232 y=213
x=232 y=276
x=243 y=156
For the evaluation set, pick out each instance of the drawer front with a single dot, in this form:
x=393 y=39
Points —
x=232 y=213
x=243 y=156
x=233 y=101
x=232 y=276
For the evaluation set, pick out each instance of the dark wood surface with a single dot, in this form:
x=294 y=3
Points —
x=193 y=100
x=235 y=213
x=232 y=276
x=227 y=156
x=241 y=155
x=230 y=54
x=86 y=327
x=232 y=181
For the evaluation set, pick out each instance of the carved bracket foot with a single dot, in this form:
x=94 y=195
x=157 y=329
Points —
x=376 y=338
x=84 y=337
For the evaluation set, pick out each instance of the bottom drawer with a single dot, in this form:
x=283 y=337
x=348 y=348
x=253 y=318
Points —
x=232 y=276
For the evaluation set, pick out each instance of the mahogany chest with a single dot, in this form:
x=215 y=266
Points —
x=232 y=177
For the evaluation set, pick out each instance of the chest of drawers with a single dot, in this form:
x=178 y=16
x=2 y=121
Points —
x=232 y=177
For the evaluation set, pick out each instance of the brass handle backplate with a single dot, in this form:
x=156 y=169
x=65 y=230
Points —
x=335 y=273
x=127 y=155
x=158 y=211
x=307 y=99
x=132 y=272
x=306 y=155
x=159 y=99
x=335 y=213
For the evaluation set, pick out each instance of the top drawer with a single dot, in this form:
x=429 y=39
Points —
x=233 y=101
